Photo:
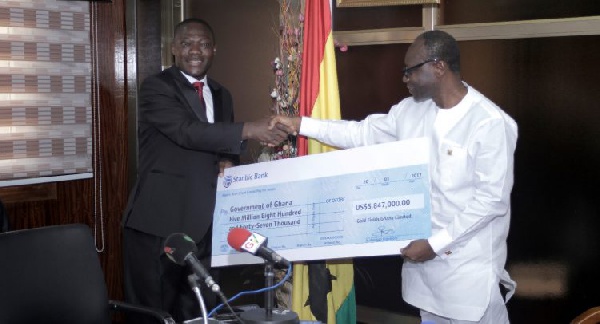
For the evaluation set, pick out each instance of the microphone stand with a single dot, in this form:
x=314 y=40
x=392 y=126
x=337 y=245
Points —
x=269 y=315
x=193 y=281
x=269 y=275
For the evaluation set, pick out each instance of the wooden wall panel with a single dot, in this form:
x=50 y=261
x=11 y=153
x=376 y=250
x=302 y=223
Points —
x=360 y=18
x=370 y=79
x=113 y=114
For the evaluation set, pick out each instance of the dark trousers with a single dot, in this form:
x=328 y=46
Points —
x=151 y=279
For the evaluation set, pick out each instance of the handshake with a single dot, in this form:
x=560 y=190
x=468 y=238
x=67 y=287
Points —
x=271 y=130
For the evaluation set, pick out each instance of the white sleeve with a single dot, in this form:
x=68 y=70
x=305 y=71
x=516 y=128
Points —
x=375 y=129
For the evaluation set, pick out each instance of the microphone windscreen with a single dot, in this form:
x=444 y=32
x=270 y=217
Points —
x=237 y=236
x=178 y=246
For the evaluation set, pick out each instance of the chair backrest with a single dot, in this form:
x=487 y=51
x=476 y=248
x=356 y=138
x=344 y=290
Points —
x=590 y=316
x=51 y=275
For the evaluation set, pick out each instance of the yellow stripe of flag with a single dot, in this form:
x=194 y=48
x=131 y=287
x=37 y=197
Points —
x=341 y=301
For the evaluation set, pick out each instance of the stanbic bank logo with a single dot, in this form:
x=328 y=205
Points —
x=228 y=180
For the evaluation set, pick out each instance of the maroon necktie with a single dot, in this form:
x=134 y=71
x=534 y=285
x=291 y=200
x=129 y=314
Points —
x=199 y=85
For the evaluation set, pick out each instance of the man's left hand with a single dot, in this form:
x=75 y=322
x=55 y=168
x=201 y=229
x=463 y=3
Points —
x=418 y=251
x=224 y=164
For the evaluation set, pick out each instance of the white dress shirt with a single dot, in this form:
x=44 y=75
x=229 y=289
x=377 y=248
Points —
x=207 y=94
x=471 y=171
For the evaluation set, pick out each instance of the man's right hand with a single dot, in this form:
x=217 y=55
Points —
x=262 y=131
x=291 y=125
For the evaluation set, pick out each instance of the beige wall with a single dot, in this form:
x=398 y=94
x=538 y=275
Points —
x=246 y=44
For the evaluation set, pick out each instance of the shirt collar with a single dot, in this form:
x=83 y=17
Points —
x=191 y=79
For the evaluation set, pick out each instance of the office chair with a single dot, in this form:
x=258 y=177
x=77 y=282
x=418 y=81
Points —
x=590 y=316
x=53 y=275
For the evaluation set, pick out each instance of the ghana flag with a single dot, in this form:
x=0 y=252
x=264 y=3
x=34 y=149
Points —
x=322 y=291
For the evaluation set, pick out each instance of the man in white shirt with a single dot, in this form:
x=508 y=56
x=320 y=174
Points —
x=455 y=275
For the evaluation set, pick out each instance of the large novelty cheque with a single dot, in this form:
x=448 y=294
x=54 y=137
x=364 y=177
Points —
x=365 y=201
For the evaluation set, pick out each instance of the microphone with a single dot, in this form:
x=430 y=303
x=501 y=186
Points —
x=244 y=241
x=180 y=249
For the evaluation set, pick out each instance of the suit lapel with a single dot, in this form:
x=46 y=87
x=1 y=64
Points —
x=222 y=112
x=217 y=102
x=190 y=94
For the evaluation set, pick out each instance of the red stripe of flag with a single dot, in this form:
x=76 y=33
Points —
x=317 y=27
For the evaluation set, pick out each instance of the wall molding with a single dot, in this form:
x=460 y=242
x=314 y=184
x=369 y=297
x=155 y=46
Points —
x=482 y=31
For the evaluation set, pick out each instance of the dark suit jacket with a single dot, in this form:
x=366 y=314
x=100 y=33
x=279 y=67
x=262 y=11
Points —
x=179 y=153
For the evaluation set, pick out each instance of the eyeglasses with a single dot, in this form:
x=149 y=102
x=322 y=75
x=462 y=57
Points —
x=407 y=71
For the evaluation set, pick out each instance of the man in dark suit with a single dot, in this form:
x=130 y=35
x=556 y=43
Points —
x=185 y=141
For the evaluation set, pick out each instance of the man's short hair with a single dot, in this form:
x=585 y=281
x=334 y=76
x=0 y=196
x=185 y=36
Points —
x=188 y=21
x=442 y=46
